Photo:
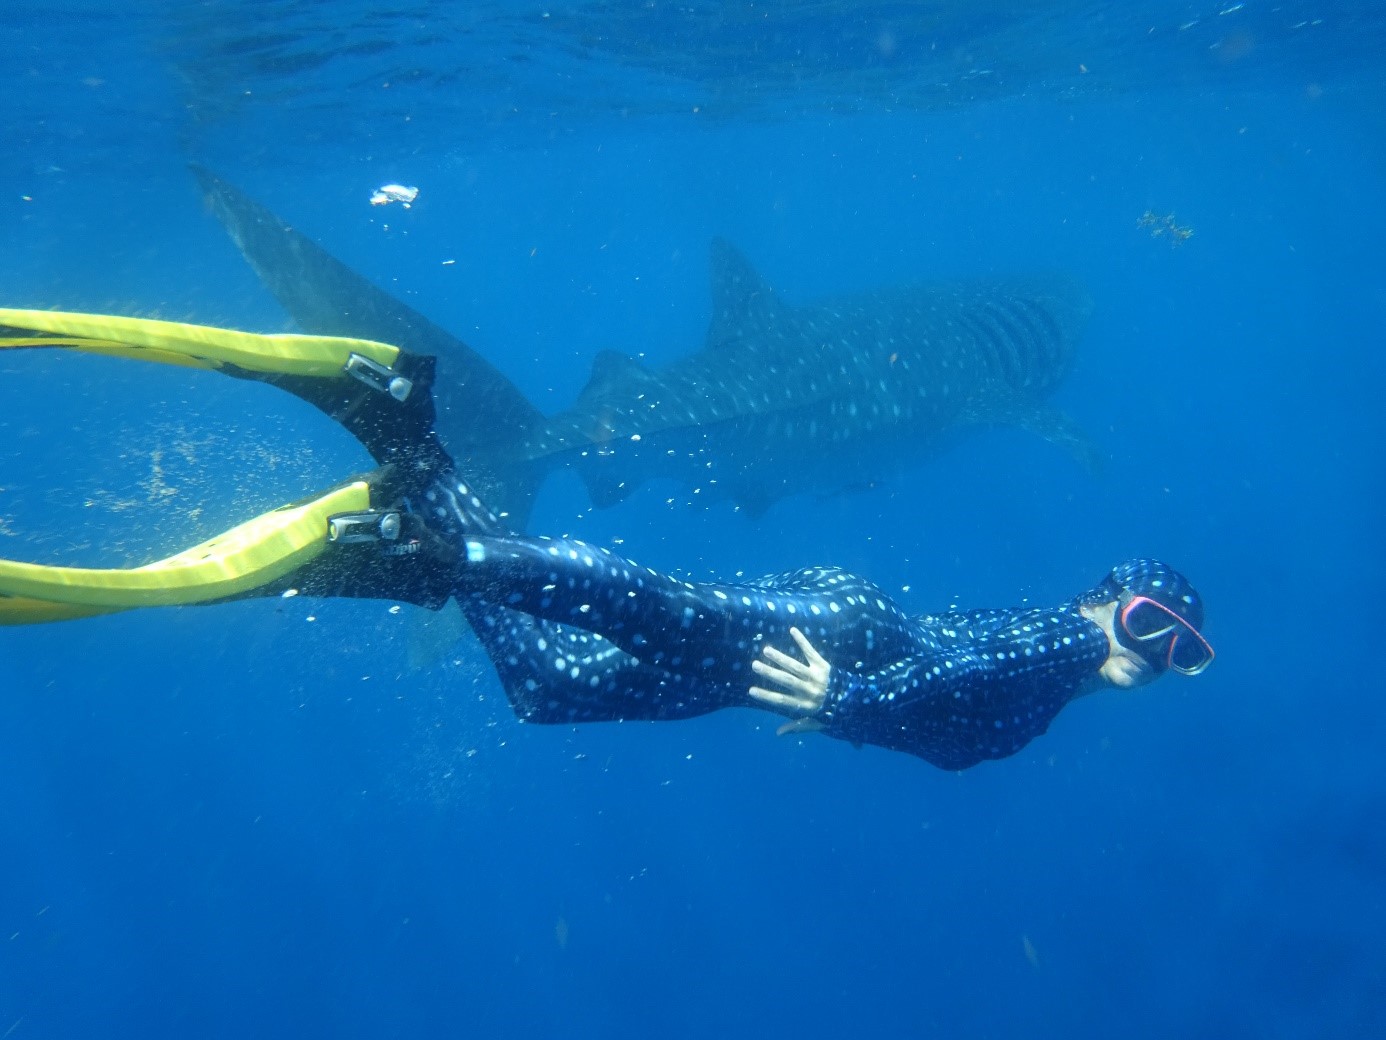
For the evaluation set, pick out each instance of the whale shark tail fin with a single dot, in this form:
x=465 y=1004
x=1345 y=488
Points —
x=481 y=415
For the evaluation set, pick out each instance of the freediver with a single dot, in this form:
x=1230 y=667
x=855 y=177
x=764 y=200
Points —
x=578 y=634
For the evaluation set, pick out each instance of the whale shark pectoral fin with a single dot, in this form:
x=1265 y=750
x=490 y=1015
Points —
x=1058 y=428
x=755 y=500
x=1054 y=425
x=606 y=489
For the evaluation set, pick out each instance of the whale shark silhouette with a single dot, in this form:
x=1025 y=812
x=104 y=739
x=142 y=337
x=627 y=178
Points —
x=823 y=396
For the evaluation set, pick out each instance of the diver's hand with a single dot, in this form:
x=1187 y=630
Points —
x=802 y=685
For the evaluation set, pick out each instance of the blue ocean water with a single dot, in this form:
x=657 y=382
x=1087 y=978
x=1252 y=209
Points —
x=295 y=818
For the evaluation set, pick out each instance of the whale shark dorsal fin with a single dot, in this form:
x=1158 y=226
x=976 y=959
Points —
x=613 y=373
x=742 y=301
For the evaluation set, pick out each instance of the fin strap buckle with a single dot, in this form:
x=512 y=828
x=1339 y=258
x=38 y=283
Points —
x=373 y=525
x=378 y=377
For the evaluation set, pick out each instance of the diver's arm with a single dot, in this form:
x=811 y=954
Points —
x=956 y=704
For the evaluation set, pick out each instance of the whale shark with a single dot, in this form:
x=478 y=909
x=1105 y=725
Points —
x=783 y=398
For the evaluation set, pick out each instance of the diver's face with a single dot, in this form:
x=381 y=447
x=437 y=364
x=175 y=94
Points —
x=1124 y=669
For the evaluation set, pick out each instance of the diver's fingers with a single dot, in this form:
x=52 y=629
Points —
x=778 y=700
x=799 y=684
x=802 y=686
x=813 y=657
x=790 y=664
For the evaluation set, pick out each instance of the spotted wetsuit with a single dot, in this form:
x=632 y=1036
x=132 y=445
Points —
x=578 y=634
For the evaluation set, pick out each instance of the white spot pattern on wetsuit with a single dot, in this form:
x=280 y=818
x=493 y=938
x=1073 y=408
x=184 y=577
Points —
x=579 y=634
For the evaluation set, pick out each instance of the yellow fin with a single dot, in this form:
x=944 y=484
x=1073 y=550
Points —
x=177 y=343
x=243 y=558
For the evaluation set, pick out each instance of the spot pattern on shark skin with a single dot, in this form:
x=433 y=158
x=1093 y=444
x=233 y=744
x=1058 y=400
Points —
x=904 y=367
x=861 y=385
x=578 y=634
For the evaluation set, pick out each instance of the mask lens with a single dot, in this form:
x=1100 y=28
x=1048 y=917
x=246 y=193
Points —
x=1189 y=654
x=1147 y=620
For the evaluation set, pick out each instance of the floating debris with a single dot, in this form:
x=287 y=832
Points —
x=1165 y=227
x=1031 y=954
x=388 y=193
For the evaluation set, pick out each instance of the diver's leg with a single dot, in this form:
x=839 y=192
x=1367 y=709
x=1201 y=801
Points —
x=714 y=630
x=554 y=673
x=417 y=567
x=687 y=648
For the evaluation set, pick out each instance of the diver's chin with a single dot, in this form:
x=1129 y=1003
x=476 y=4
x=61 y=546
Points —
x=1128 y=673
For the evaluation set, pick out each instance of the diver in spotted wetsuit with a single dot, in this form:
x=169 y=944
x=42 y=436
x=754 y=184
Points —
x=576 y=633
